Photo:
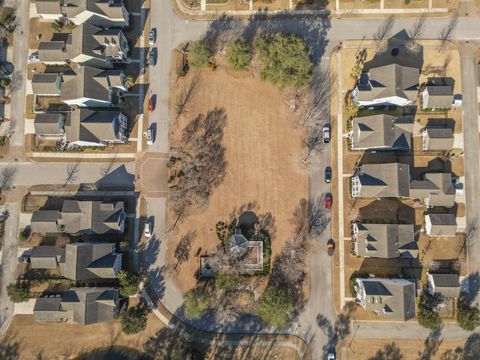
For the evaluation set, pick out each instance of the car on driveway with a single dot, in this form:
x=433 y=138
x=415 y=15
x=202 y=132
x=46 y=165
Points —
x=331 y=356
x=328 y=201
x=152 y=36
x=328 y=174
x=151 y=58
x=34 y=57
x=147 y=230
x=330 y=247
x=149 y=136
x=326 y=133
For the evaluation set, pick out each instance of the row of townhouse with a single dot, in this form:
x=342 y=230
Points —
x=90 y=87
x=397 y=84
x=90 y=264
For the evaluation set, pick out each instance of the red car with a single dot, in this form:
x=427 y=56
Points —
x=151 y=106
x=328 y=201
x=330 y=247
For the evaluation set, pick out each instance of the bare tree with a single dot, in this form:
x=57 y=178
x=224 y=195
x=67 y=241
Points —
x=15 y=82
x=383 y=32
x=7 y=176
x=471 y=233
x=182 y=251
x=72 y=172
x=107 y=169
x=415 y=33
x=186 y=96
x=447 y=31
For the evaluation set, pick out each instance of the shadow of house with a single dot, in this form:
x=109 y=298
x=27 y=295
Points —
x=437 y=165
x=117 y=177
x=387 y=211
x=448 y=123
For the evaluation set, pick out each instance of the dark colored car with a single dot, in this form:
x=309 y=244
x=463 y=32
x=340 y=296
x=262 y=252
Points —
x=328 y=174
x=330 y=247
x=328 y=201
x=151 y=58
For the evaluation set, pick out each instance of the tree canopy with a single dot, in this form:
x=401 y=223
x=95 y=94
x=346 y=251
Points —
x=128 y=283
x=196 y=301
x=285 y=59
x=19 y=291
x=427 y=315
x=200 y=55
x=239 y=55
x=134 y=320
x=468 y=317
x=275 y=307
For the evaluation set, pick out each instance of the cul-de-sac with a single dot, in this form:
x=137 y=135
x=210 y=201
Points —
x=240 y=179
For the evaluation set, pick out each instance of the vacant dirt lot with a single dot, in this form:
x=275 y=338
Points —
x=262 y=151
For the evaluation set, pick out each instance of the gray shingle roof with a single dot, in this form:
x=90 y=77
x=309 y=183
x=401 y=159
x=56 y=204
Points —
x=46 y=257
x=382 y=132
x=384 y=180
x=54 y=51
x=46 y=84
x=103 y=8
x=448 y=285
x=45 y=221
x=48 y=7
x=442 y=224
x=436 y=189
x=394 y=298
x=386 y=240
x=49 y=123
x=437 y=139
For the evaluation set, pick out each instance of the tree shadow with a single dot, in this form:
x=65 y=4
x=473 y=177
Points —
x=9 y=348
x=336 y=332
x=432 y=344
x=471 y=283
x=390 y=352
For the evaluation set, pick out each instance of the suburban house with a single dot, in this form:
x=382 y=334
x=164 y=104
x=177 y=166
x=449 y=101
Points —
x=444 y=225
x=83 y=127
x=437 y=138
x=90 y=87
x=50 y=125
x=392 y=298
x=84 y=306
x=435 y=189
x=381 y=180
x=87 y=45
x=384 y=240
x=84 y=217
x=381 y=132
x=105 y=13
x=437 y=97
x=250 y=253
x=47 y=84
x=390 y=84
x=79 y=261
x=447 y=285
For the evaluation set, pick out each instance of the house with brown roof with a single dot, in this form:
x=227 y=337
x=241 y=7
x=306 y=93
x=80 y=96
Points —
x=381 y=180
x=435 y=189
x=381 y=132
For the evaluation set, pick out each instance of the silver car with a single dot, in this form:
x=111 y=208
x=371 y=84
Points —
x=151 y=37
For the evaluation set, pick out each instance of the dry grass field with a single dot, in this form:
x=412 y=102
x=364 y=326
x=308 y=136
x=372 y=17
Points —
x=262 y=152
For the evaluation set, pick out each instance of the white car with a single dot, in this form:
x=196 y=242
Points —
x=151 y=37
x=147 y=231
x=34 y=57
x=331 y=356
x=326 y=133
x=149 y=136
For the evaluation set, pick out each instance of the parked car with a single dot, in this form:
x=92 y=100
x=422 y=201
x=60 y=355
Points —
x=331 y=356
x=330 y=247
x=34 y=57
x=328 y=174
x=4 y=70
x=326 y=133
x=152 y=36
x=151 y=58
x=328 y=201
x=151 y=104
x=149 y=136
x=23 y=259
x=147 y=231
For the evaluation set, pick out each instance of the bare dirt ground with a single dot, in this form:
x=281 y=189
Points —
x=262 y=151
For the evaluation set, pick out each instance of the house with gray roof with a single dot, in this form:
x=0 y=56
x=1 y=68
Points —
x=105 y=13
x=85 y=306
x=447 y=285
x=381 y=132
x=437 y=139
x=437 y=97
x=90 y=87
x=50 y=125
x=83 y=217
x=435 y=189
x=385 y=241
x=381 y=180
x=87 y=45
x=442 y=225
x=47 y=84
x=390 y=298
x=95 y=128
x=46 y=257
x=248 y=253
x=390 y=84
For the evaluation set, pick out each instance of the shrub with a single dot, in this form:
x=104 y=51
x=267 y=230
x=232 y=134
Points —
x=129 y=81
x=195 y=303
x=275 y=307
x=134 y=320
x=226 y=282
x=128 y=283
x=24 y=233
x=285 y=59
x=19 y=291
x=200 y=55
x=123 y=245
x=239 y=55
x=468 y=317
